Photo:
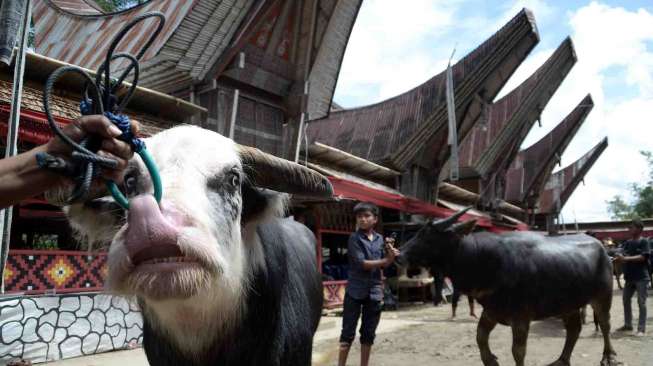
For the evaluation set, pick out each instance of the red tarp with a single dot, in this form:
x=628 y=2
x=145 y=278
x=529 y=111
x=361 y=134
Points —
x=33 y=125
x=351 y=190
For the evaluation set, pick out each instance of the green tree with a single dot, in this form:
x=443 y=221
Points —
x=619 y=209
x=642 y=203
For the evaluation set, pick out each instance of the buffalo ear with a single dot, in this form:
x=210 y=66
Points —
x=464 y=228
x=261 y=204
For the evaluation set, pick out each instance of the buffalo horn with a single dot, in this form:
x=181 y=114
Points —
x=268 y=171
x=442 y=224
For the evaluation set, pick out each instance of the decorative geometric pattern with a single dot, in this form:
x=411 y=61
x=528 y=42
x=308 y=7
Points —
x=49 y=328
x=334 y=293
x=60 y=271
x=39 y=271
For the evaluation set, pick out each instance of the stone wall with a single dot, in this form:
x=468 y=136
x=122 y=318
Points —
x=47 y=328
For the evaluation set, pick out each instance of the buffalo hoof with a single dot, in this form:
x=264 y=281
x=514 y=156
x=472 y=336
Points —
x=491 y=361
x=610 y=361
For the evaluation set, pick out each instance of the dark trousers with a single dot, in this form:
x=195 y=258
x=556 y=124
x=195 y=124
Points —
x=371 y=314
x=629 y=289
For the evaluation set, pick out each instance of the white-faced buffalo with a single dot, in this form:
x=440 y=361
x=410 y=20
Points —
x=221 y=278
x=519 y=277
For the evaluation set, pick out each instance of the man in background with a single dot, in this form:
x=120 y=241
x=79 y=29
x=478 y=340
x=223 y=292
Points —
x=364 y=292
x=634 y=261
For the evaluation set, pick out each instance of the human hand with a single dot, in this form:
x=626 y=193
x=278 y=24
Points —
x=390 y=251
x=111 y=147
x=618 y=258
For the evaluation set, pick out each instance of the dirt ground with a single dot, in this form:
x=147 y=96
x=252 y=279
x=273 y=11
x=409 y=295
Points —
x=429 y=337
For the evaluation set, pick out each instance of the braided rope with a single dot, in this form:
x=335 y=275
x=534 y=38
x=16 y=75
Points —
x=100 y=98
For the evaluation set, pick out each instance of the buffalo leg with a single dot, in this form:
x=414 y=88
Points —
x=572 y=326
x=519 y=338
x=485 y=327
x=596 y=322
x=602 y=309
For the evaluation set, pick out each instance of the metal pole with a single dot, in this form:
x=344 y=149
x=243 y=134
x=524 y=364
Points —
x=12 y=132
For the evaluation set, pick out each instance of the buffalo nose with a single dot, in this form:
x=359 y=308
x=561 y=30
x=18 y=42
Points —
x=150 y=234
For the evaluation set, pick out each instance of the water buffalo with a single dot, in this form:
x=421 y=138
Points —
x=221 y=277
x=519 y=277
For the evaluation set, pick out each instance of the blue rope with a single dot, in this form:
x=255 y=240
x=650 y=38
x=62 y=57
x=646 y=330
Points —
x=119 y=120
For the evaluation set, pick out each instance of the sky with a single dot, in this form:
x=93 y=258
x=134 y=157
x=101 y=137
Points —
x=394 y=48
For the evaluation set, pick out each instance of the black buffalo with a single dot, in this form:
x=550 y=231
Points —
x=519 y=277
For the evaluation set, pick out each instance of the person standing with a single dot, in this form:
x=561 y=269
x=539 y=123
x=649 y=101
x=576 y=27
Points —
x=634 y=261
x=364 y=292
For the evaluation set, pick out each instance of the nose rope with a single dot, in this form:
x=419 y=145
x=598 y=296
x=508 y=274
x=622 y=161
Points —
x=99 y=97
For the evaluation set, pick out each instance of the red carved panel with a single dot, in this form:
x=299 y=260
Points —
x=334 y=293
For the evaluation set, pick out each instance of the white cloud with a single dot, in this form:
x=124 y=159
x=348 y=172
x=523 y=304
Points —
x=611 y=41
x=386 y=54
x=394 y=48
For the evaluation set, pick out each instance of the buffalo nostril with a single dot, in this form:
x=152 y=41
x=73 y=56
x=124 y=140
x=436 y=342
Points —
x=149 y=233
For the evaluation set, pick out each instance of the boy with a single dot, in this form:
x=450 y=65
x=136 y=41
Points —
x=364 y=291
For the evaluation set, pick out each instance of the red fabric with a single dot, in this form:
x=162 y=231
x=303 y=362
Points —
x=33 y=126
x=617 y=235
x=347 y=189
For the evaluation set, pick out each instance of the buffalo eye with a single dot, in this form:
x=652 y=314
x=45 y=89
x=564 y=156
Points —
x=233 y=178
x=229 y=180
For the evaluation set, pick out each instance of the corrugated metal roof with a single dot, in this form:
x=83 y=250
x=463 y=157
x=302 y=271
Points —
x=534 y=165
x=396 y=130
x=202 y=36
x=329 y=52
x=492 y=143
x=154 y=110
x=562 y=184
x=83 y=39
x=78 y=7
x=195 y=34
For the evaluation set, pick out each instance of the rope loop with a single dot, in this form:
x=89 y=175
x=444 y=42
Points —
x=100 y=97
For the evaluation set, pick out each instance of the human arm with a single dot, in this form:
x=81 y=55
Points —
x=641 y=255
x=388 y=259
x=21 y=177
